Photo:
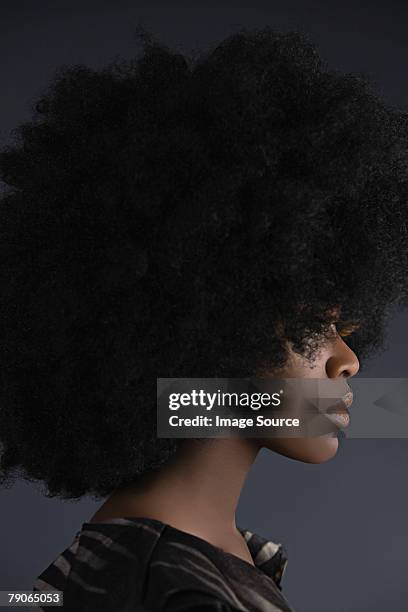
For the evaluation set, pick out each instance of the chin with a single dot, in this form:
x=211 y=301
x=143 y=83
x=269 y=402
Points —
x=307 y=450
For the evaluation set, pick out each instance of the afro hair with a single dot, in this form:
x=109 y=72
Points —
x=177 y=217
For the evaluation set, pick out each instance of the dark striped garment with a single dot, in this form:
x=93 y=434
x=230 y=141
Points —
x=141 y=564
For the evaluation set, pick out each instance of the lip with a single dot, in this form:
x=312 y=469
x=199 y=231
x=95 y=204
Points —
x=339 y=414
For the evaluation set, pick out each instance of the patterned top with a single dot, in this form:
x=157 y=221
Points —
x=142 y=564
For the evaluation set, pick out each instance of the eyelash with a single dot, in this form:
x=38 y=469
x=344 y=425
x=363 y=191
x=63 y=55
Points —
x=346 y=331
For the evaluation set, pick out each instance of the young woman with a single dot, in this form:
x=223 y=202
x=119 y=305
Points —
x=242 y=214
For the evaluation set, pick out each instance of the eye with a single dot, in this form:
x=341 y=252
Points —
x=346 y=329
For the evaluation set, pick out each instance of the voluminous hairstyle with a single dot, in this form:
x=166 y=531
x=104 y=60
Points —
x=177 y=217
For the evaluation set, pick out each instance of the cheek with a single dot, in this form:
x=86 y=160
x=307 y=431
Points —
x=308 y=450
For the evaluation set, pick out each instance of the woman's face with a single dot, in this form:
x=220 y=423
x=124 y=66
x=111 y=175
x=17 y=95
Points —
x=335 y=359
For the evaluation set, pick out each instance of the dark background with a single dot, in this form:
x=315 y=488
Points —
x=344 y=523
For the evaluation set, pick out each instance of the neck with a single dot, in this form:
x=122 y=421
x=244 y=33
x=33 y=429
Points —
x=198 y=491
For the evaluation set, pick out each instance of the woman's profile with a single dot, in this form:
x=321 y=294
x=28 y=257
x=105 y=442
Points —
x=240 y=214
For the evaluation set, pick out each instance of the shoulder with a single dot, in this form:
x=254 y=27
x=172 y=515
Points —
x=105 y=567
x=141 y=563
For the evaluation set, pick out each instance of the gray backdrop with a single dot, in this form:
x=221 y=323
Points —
x=344 y=523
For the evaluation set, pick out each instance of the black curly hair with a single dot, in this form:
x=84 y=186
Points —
x=171 y=217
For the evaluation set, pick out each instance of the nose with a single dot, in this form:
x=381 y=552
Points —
x=343 y=361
